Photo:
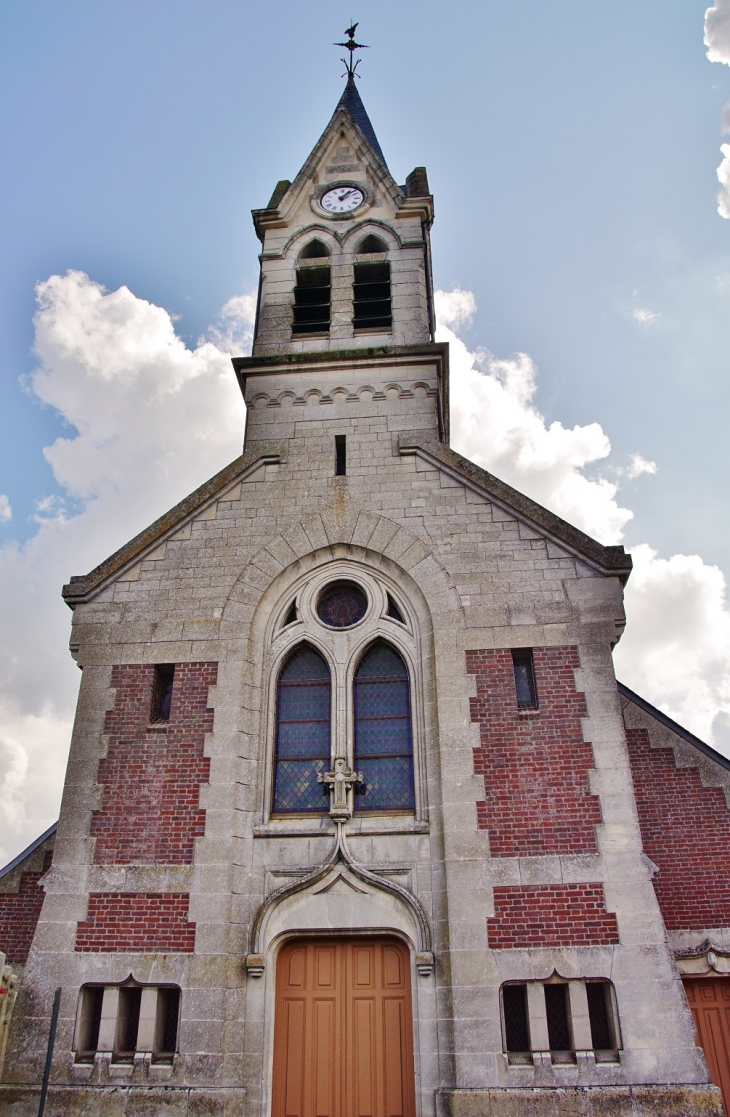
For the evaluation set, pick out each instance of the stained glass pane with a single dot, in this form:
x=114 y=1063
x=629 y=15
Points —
x=383 y=745
x=302 y=732
x=342 y=605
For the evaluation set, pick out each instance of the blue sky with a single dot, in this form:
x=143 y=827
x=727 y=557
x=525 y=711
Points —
x=572 y=149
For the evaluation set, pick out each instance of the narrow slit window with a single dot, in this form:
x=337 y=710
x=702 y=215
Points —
x=601 y=1016
x=372 y=309
x=302 y=733
x=340 y=455
x=383 y=742
x=130 y=1002
x=312 y=299
x=525 y=686
x=87 y=1041
x=168 y=1011
x=162 y=692
x=291 y=615
x=516 y=1023
x=558 y=1023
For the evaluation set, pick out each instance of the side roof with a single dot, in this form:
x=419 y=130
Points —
x=674 y=727
x=28 y=850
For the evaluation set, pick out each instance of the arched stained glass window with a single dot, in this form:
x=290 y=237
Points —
x=383 y=742
x=302 y=733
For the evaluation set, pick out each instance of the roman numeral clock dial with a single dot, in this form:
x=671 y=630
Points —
x=342 y=199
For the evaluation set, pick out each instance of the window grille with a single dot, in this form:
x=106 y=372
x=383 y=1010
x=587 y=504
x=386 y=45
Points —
x=519 y=1027
x=524 y=672
x=558 y=1022
x=371 y=292
x=125 y=1020
x=312 y=298
x=383 y=743
x=302 y=733
x=516 y=1023
x=603 y=1021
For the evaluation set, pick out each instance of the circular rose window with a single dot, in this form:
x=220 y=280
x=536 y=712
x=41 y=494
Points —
x=341 y=605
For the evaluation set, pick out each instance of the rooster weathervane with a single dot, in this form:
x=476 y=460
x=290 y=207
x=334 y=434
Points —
x=352 y=46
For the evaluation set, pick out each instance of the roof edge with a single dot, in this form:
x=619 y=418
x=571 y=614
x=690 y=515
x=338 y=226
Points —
x=28 y=850
x=670 y=723
x=81 y=588
x=608 y=560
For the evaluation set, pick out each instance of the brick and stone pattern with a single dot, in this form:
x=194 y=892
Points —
x=551 y=915
x=535 y=763
x=686 y=832
x=19 y=912
x=151 y=775
x=139 y=922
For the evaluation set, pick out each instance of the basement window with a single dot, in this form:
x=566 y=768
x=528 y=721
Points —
x=558 y=1023
x=162 y=692
x=371 y=293
x=602 y=1015
x=516 y=1024
x=127 y=1020
x=524 y=672
x=536 y=1018
x=312 y=299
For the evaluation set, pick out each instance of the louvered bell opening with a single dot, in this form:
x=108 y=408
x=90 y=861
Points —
x=371 y=294
x=312 y=298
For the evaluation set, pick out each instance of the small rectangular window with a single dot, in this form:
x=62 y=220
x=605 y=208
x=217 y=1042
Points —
x=87 y=1036
x=516 y=1023
x=601 y=1015
x=524 y=671
x=168 y=1011
x=130 y=1002
x=558 y=1023
x=340 y=455
x=162 y=692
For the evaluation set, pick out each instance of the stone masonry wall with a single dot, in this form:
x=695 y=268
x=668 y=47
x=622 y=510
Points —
x=551 y=915
x=19 y=912
x=686 y=832
x=535 y=763
x=137 y=921
x=152 y=774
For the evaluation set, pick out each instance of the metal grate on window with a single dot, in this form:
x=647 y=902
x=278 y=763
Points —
x=558 y=1023
x=516 y=1023
x=601 y=1016
x=312 y=299
x=302 y=733
x=371 y=294
x=383 y=743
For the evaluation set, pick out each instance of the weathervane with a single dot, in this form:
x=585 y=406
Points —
x=351 y=45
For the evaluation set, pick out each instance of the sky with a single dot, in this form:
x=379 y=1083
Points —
x=580 y=162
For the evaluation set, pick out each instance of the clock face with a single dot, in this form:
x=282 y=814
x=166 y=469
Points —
x=342 y=199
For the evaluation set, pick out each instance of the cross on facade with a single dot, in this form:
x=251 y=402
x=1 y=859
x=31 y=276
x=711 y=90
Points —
x=340 y=780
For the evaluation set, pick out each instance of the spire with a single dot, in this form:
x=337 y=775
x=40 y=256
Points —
x=352 y=101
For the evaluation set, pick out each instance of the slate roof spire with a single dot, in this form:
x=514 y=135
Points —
x=352 y=101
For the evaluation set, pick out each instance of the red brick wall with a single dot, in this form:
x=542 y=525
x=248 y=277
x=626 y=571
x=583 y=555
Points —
x=685 y=828
x=19 y=913
x=551 y=915
x=137 y=921
x=534 y=763
x=152 y=774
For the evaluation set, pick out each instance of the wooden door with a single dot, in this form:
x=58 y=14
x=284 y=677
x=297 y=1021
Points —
x=343 y=1034
x=709 y=999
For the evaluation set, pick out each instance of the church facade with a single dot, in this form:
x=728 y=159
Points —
x=357 y=821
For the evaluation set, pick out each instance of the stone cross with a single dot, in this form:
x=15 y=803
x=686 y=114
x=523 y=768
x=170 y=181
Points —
x=340 y=780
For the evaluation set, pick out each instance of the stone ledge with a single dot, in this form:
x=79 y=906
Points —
x=124 y=1101
x=583 y=1101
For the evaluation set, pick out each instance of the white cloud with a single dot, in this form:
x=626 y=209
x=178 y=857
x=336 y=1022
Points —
x=645 y=316
x=717 y=32
x=717 y=41
x=495 y=423
x=152 y=421
x=676 y=648
x=638 y=465
x=723 y=174
x=455 y=308
x=6 y=512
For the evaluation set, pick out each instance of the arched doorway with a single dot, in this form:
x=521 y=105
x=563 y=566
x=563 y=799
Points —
x=343 y=1029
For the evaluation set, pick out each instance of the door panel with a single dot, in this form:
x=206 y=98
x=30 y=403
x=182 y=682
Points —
x=709 y=1000
x=343 y=1034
